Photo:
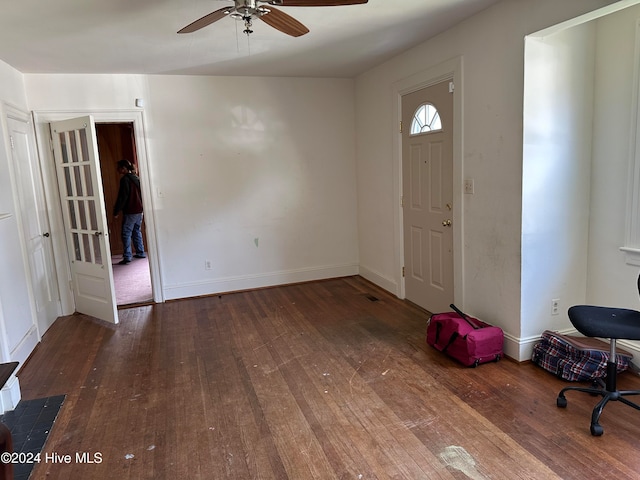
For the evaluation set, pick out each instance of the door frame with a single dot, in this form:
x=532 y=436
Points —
x=449 y=70
x=41 y=120
x=14 y=113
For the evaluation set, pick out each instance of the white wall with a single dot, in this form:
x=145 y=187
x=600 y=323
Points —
x=611 y=280
x=255 y=175
x=558 y=127
x=492 y=46
x=578 y=100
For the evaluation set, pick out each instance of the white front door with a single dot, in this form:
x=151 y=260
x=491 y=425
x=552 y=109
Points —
x=35 y=220
x=78 y=170
x=427 y=184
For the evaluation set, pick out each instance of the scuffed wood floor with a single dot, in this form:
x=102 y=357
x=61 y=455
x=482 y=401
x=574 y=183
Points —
x=323 y=380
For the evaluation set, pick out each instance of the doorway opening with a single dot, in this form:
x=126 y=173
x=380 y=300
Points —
x=116 y=141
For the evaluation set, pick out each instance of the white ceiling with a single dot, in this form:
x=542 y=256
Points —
x=139 y=36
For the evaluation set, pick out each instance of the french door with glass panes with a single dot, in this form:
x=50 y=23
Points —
x=79 y=182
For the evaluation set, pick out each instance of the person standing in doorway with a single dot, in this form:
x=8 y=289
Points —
x=129 y=202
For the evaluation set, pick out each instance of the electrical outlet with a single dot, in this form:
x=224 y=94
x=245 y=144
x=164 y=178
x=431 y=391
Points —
x=555 y=306
x=207 y=264
x=469 y=186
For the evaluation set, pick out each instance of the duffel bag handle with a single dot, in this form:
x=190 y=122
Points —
x=467 y=318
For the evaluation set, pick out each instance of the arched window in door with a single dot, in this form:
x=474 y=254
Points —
x=425 y=119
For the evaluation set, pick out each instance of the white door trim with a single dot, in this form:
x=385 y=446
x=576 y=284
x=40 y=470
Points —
x=41 y=122
x=451 y=69
x=53 y=308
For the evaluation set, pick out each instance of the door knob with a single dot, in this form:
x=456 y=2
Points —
x=97 y=234
x=446 y=223
x=45 y=234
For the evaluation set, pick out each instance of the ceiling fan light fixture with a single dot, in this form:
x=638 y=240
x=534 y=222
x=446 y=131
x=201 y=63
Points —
x=247 y=10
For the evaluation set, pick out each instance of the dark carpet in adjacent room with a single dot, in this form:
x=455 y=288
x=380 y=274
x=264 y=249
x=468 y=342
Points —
x=30 y=423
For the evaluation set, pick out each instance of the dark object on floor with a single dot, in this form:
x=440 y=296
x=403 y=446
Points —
x=464 y=338
x=612 y=323
x=6 y=441
x=6 y=446
x=6 y=369
x=30 y=423
x=576 y=359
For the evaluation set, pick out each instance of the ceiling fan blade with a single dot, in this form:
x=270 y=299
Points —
x=206 y=20
x=284 y=22
x=315 y=3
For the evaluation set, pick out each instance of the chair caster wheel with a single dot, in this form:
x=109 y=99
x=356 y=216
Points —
x=596 y=430
x=561 y=402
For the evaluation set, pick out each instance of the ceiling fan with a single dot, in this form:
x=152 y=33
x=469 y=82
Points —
x=247 y=10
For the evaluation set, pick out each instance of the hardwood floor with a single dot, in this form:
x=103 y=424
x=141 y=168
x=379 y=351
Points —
x=323 y=380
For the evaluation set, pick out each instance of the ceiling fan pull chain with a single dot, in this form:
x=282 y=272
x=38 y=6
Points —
x=248 y=31
x=237 y=39
x=247 y=25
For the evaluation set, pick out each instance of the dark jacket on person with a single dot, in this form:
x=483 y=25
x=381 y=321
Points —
x=129 y=199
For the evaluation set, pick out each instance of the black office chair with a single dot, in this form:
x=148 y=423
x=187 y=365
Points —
x=614 y=324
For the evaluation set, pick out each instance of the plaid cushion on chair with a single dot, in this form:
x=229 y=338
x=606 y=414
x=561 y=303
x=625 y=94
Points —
x=575 y=358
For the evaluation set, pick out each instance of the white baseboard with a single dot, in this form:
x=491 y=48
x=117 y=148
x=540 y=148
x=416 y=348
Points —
x=388 y=284
x=10 y=394
x=514 y=349
x=247 y=282
x=521 y=349
x=634 y=348
x=23 y=349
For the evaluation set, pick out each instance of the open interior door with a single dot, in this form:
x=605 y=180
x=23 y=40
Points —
x=78 y=170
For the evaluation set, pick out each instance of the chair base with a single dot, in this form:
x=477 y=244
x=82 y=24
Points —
x=608 y=393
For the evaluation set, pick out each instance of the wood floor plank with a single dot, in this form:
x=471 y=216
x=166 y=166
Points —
x=329 y=379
